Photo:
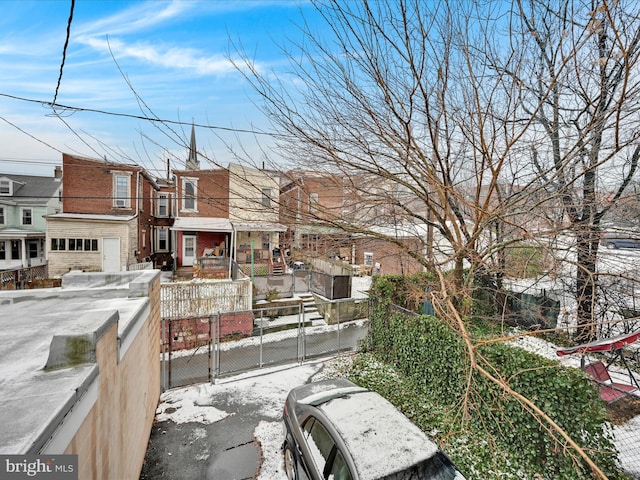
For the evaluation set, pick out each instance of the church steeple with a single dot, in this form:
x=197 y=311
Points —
x=192 y=161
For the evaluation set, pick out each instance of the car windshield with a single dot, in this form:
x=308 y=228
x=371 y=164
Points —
x=438 y=467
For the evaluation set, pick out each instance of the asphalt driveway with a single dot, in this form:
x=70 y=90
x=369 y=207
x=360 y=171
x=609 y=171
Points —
x=230 y=430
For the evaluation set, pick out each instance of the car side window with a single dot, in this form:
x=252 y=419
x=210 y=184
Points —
x=327 y=458
x=340 y=470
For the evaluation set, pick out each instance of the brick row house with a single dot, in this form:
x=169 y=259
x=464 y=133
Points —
x=319 y=210
x=24 y=202
x=228 y=214
x=113 y=215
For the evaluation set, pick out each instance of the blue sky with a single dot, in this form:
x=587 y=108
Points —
x=174 y=54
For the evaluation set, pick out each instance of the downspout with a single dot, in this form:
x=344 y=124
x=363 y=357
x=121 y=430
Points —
x=138 y=223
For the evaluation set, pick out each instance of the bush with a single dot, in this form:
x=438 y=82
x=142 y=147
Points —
x=435 y=383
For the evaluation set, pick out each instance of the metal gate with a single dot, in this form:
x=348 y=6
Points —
x=200 y=349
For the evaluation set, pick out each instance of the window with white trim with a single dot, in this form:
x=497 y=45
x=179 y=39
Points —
x=163 y=205
x=189 y=194
x=313 y=202
x=121 y=190
x=58 y=244
x=3 y=250
x=5 y=187
x=267 y=195
x=74 y=244
x=163 y=239
x=26 y=216
x=2 y=216
x=368 y=259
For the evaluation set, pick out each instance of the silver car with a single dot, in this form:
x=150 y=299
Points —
x=339 y=431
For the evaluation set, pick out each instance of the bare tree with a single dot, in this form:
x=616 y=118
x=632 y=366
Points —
x=581 y=90
x=503 y=123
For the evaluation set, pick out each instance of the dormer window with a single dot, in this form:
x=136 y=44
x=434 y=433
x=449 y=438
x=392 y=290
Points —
x=6 y=187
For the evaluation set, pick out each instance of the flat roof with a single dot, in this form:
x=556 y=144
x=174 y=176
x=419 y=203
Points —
x=34 y=399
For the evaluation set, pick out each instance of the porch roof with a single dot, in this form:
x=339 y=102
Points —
x=16 y=233
x=202 y=224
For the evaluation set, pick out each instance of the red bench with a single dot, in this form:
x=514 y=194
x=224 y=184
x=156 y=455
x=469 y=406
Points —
x=609 y=390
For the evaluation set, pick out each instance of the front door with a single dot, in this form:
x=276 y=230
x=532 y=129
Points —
x=188 y=250
x=110 y=254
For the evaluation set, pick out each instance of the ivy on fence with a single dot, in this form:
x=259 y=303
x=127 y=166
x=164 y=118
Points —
x=482 y=415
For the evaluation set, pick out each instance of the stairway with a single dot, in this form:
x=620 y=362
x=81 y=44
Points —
x=309 y=308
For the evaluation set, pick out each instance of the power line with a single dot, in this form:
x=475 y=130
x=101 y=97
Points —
x=132 y=116
x=64 y=50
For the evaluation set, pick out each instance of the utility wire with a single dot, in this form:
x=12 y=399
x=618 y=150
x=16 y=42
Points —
x=137 y=117
x=64 y=51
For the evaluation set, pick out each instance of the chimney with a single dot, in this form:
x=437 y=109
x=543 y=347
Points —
x=57 y=173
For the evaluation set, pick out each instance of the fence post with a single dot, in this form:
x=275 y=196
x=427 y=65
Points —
x=169 y=347
x=261 y=330
x=210 y=374
x=217 y=346
x=163 y=360
x=338 y=316
x=300 y=331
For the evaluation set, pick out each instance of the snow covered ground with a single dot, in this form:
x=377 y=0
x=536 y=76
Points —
x=269 y=387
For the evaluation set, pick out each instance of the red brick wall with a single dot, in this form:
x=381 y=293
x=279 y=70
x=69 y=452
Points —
x=88 y=186
x=193 y=332
x=212 y=194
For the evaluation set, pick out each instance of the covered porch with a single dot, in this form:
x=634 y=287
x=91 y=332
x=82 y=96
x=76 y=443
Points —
x=21 y=249
x=210 y=246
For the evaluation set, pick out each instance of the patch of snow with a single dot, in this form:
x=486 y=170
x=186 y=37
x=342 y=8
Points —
x=188 y=405
x=270 y=436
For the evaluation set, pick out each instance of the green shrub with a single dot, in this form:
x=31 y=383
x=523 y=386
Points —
x=498 y=436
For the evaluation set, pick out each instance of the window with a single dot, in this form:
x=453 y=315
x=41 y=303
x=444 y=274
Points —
x=319 y=441
x=267 y=193
x=121 y=191
x=33 y=249
x=3 y=250
x=58 y=244
x=189 y=195
x=163 y=205
x=163 y=244
x=328 y=459
x=1 y=215
x=313 y=202
x=368 y=259
x=75 y=244
x=27 y=216
x=5 y=187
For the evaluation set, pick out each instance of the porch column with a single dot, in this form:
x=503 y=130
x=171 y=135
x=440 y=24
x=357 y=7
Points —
x=23 y=249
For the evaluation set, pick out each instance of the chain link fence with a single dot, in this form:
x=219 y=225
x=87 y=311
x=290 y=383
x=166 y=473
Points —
x=201 y=348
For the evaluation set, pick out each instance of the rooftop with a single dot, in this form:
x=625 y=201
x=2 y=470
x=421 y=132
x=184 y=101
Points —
x=40 y=381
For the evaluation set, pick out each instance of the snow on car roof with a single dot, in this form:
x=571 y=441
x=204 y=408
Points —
x=381 y=440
